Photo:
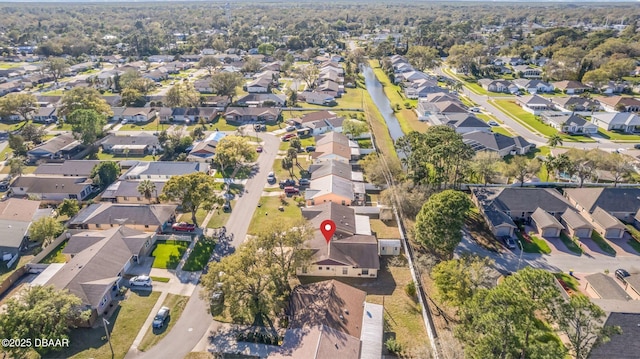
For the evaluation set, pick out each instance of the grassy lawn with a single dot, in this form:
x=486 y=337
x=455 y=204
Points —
x=148 y=126
x=125 y=323
x=200 y=214
x=618 y=136
x=407 y=117
x=525 y=118
x=22 y=261
x=160 y=279
x=496 y=129
x=352 y=98
x=220 y=217
x=534 y=245
x=480 y=232
x=269 y=210
x=385 y=229
x=176 y=303
x=56 y=255
x=64 y=127
x=11 y=126
x=111 y=157
x=635 y=237
x=570 y=244
x=200 y=255
x=26 y=170
x=602 y=243
x=379 y=127
x=281 y=173
x=167 y=254
x=569 y=280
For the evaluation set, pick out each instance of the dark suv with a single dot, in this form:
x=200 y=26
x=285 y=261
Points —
x=622 y=274
x=287 y=183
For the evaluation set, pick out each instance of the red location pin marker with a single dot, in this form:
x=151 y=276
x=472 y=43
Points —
x=328 y=228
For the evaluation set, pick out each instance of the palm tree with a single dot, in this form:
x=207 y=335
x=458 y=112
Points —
x=550 y=164
x=147 y=188
x=555 y=140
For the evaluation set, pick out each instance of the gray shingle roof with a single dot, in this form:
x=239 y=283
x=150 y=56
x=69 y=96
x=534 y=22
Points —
x=108 y=213
x=12 y=232
x=65 y=141
x=620 y=346
x=40 y=184
x=343 y=216
x=518 y=199
x=142 y=139
x=606 y=220
x=331 y=167
x=67 y=168
x=128 y=189
x=574 y=220
x=617 y=199
x=545 y=220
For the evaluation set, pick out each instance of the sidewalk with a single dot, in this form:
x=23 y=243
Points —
x=147 y=323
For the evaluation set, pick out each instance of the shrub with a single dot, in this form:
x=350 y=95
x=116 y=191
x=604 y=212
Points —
x=407 y=105
x=393 y=346
x=410 y=289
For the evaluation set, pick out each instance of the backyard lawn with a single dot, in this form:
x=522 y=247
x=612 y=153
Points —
x=167 y=254
x=385 y=229
x=146 y=126
x=176 y=304
x=199 y=256
x=269 y=208
x=110 y=156
x=56 y=255
x=124 y=324
x=281 y=173
x=527 y=119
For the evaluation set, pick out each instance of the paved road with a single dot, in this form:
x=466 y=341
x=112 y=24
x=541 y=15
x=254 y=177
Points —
x=482 y=100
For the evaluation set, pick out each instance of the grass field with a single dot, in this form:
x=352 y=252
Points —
x=11 y=126
x=269 y=208
x=536 y=245
x=200 y=255
x=570 y=244
x=385 y=229
x=176 y=304
x=167 y=254
x=219 y=217
x=147 y=126
x=125 y=323
x=602 y=243
x=110 y=156
x=56 y=255
x=617 y=136
x=200 y=215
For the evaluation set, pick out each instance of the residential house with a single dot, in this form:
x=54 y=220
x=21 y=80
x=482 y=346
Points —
x=501 y=206
x=545 y=224
x=335 y=146
x=569 y=123
x=45 y=115
x=12 y=86
x=52 y=189
x=127 y=192
x=610 y=205
x=203 y=85
x=98 y=262
x=217 y=102
x=612 y=87
x=259 y=85
x=352 y=252
x=48 y=101
x=496 y=142
x=163 y=170
x=320 y=122
x=502 y=86
x=330 y=74
x=619 y=103
x=112 y=100
x=422 y=88
x=330 y=88
x=15 y=219
x=161 y=58
x=576 y=225
x=117 y=113
x=617 y=121
x=571 y=87
x=157 y=75
x=335 y=189
x=534 y=104
x=194 y=114
x=460 y=122
x=132 y=145
x=252 y=114
x=533 y=86
x=317 y=98
x=412 y=76
x=335 y=168
x=575 y=103
x=61 y=146
x=528 y=72
x=621 y=345
x=262 y=100
x=68 y=168
x=138 y=114
x=205 y=150
x=142 y=217
x=165 y=114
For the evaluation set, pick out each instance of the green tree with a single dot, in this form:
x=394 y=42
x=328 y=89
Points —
x=83 y=98
x=554 y=140
x=226 y=84
x=182 y=95
x=485 y=165
x=423 y=57
x=620 y=166
x=45 y=230
x=88 y=125
x=596 y=78
x=287 y=164
x=129 y=77
x=132 y=97
x=16 y=143
x=105 y=173
x=197 y=133
x=41 y=312
x=295 y=143
x=233 y=151
x=439 y=224
x=521 y=168
x=33 y=133
x=354 y=127
x=266 y=49
x=19 y=103
x=209 y=63
x=192 y=191
x=308 y=74
x=147 y=188
x=458 y=280
x=69 y=207
x=582 y=322
x=56 y=67
x=251 y=65
x=16 y=166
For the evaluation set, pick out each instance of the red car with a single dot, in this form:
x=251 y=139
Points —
x=287 y=137
x=183 y=227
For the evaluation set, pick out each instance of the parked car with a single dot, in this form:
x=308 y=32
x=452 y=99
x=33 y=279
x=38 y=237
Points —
x=271 y=178
x=226 y=207
x=291 y=190
x=259 y=128
x=259 y=149
x=287 y=137
x=124 y=121
x=622 y=274
x=304 y=182
x=161 y=317
x=509 y=242
x=310 y=148
x=474 y=109
x=290 y=128
x=183 y=227
x=141 y=280
x=286 y=183
x=637 y=146
x=493 y=123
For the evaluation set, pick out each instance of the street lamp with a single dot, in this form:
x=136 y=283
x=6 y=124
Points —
x=106 y=330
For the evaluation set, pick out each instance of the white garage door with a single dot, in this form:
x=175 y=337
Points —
x=551 y=232
x=582 y=233
x=503 y=231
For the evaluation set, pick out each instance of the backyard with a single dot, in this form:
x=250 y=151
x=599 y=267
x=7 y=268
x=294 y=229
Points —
x=123 y=325
x=176 y=304
x=269 y=207
x=167 y=254
x=200 y=255
x=385 y=229
x=56 y=255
